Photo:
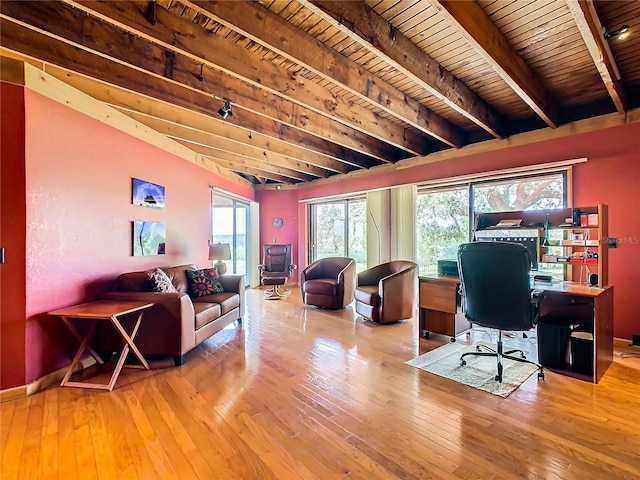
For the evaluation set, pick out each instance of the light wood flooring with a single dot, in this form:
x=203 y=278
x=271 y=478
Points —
x=298 y=392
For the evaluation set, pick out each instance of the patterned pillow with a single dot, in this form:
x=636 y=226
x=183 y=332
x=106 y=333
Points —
x=203 y=282
x=161 y=282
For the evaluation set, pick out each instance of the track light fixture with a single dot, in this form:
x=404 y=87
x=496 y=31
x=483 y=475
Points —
x=620 y=33
x=225 y=111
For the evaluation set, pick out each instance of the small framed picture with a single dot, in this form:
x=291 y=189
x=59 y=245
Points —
x=149 y=238
x=147 y=194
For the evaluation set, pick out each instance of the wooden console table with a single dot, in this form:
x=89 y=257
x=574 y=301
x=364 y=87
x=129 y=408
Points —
x=94 y=312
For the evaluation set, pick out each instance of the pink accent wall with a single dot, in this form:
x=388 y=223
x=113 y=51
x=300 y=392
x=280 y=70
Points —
x=79 y=214
x=283 y=204
x=610 y=176
x=12 y=236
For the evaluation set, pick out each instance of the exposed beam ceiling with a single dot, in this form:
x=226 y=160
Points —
x=321 y=89
x=366 y=27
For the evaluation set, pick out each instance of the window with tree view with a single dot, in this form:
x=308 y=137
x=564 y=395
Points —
x=339 y=229
x=443 y=215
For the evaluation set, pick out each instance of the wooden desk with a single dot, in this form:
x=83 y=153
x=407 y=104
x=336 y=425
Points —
x=440 y=311
x=94 y=312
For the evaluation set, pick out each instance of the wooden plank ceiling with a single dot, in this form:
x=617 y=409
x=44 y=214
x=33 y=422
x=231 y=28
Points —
x=323 y=88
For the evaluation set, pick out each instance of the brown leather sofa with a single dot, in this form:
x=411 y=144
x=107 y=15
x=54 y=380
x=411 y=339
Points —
x=176 y=323
x=387 y=292
x=329 y=282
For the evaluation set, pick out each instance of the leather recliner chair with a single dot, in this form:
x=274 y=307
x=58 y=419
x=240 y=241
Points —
x=387 y=292
x=329 y=282
x=276 y=269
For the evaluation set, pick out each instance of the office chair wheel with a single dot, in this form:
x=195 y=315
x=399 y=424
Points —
x=463 y=362
x=452 y=340
x=540 y=375
x=498 y=378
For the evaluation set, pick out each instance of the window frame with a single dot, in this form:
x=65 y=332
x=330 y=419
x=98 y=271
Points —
x=313 y=208
x=472 y=184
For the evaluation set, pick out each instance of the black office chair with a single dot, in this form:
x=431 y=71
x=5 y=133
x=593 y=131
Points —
x=496 y=294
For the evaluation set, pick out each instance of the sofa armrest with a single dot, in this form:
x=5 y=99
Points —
x=234 y=283
x=174 y=310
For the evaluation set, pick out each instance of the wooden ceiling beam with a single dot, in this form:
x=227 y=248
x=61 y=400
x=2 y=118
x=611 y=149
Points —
x=250 y=171
x=191 y=40
x=28 y=42
x=270 y=30
x=67 y=24
x=134 y=103
x=251 y=164
x=180 y=132
x=366 y=27
x=486 y=38
x=589 y=25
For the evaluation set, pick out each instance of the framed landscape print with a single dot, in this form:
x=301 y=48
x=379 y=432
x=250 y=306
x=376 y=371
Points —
x=147 y=194
x=149 y=238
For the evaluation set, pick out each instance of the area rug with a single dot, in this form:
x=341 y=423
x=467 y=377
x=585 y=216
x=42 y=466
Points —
x=479 y=372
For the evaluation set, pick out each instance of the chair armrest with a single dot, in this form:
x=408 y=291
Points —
x=534 y=309
x=398 y=294
x=347 y=282
x=309 y=272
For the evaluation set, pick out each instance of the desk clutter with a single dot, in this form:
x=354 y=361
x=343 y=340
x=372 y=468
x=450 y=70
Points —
x=575 y=239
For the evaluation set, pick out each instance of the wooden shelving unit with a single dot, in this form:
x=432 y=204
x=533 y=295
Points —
x=576 y=240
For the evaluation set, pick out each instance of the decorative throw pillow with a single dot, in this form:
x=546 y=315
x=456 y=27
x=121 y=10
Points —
x=203 y=282
x=161 y=282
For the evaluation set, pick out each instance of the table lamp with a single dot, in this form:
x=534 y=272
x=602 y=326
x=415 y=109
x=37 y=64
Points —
x=220 y=252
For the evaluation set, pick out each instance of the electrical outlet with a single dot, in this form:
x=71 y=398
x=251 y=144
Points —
x=635 y=339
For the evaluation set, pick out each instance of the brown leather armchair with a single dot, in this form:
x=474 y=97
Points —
x=276 y=268
x=329 y=282
x=387 y=292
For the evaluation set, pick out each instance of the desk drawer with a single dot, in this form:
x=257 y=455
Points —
x=438 y=297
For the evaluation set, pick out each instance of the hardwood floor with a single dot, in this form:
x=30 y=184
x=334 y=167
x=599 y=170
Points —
x=298 y=392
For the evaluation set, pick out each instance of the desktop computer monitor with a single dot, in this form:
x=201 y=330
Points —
x=529 y=237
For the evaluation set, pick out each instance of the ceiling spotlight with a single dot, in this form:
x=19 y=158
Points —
x=621 y=33
x=225 y=111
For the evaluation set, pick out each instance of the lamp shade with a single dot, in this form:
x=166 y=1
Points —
x=219 y=251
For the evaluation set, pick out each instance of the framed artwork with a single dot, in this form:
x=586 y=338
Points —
x=147 y=194
x=149 y=238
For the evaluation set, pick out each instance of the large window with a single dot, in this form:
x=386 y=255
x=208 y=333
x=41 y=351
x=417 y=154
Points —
x=442 y=223
x=230 y=220
x=339 y=229
x=443 y=215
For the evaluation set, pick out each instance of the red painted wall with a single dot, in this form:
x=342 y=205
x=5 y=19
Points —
x=12 y=236
x=79 y=214
x=610 y=176
x=283 y=204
